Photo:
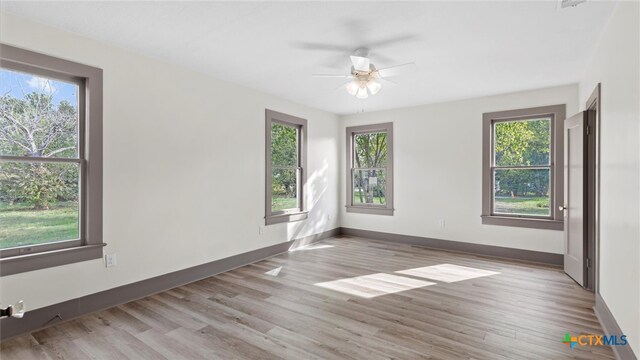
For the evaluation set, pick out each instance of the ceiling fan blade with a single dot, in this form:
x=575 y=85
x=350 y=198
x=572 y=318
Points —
x=331 y=76
x=320 y=46
x=397 y=70
x=340 y=87
x=360 y=63
x=388 y=82
x=398 y=39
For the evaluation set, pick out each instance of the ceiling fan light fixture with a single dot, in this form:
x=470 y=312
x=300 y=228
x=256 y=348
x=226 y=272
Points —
x=362 y=93
x=374 y=87
x=352 y=88
x=364 y=75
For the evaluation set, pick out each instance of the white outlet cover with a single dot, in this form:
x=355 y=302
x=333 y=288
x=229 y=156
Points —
x=110 y=260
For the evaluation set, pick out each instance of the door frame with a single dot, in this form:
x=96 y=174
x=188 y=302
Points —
x=592 y=183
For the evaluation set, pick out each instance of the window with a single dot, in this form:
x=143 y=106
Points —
x=50 y=161
x=286 y=142
x=522 y=172
x=370 y=169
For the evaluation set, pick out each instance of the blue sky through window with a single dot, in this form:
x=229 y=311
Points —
x=19 y=84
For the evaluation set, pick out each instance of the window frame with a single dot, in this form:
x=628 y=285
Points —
x=90 y=242
x=300 y=124
x=557 y=115
x=373 y=209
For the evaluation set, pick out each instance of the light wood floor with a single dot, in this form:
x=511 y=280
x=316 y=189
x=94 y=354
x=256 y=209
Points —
x=454 y=306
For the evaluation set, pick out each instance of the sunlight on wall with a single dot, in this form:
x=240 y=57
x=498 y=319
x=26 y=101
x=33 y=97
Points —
x=447 y=272
x=370 y=286
x=315 y=189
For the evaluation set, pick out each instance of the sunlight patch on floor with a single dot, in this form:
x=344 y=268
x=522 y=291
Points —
x=311 y=247
x=274 y=272
x=447 y=272
x=370 y=286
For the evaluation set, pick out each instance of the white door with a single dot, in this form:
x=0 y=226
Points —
x=574 y=196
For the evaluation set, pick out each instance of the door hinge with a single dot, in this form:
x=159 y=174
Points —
x=589 y=263
x=588 y=128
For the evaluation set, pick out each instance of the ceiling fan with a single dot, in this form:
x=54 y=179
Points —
x=364 y=76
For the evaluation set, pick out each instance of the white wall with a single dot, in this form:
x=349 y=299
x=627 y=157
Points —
x=615 y=65
x=183 y=169
x=438 y=171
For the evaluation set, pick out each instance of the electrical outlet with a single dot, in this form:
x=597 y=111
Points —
x=260 y=229
x=110 y=260
x=329 y=217
x=441 y=224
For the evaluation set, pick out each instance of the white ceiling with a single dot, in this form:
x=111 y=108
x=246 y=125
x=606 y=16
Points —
x=462 y=49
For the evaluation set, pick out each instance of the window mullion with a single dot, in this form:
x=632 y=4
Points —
x=521 y=167
x=286 y=167
x=371 y=168
x=7 y=158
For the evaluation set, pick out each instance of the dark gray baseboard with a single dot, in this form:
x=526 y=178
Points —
x=53 y=314
x=611 y=327
x=457 y=246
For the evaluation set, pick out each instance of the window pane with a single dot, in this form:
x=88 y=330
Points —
x=38 y=203
x=522 y=191
x=369 y=187
x=284 y=145
x=524 y=142
x=38 y=116
x=370 y=150
x=284 y=189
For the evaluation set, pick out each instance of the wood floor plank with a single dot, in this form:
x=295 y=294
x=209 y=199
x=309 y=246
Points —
x=350 y=298
x=23 y=347
x=169 y=348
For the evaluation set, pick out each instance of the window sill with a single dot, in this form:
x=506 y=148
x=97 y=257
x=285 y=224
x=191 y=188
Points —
x=523 y=222
x=23 y=263
x=284 y=218
x=369 y=210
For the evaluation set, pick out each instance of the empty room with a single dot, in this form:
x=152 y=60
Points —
x=320 y=180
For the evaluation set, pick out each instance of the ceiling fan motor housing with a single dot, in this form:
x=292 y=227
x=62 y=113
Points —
x=365 y=75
